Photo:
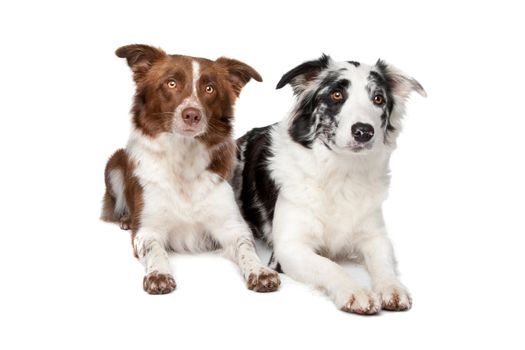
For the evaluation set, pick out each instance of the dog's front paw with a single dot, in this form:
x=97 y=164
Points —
x=264 y=280
x=395 y=298
x=362 y=302
x=125 y=222
x=159 y=283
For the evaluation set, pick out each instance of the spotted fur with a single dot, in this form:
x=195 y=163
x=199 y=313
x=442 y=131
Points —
x=313 y=184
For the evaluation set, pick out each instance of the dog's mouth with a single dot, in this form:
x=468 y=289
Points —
x=190 y=132
x=360 y=147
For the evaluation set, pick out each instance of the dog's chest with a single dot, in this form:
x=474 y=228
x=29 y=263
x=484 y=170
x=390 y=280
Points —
x=343 y=203
x=344 y=199
x=175 y=181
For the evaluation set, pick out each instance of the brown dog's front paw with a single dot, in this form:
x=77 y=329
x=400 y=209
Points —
x=265 y=280
x=362 y=302
x=159 y=283
x=125 y=223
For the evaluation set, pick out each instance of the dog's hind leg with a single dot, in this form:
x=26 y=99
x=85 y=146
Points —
x=114 y=207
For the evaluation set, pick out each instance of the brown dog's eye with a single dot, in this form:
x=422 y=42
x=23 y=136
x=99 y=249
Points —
x=336 y=95
x=209 y=89
x=172 y=84
x=379 y=100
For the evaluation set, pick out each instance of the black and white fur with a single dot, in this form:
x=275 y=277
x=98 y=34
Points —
x=313 y=184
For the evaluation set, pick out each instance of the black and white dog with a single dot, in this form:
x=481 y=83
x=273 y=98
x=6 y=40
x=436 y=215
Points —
x=313 y=185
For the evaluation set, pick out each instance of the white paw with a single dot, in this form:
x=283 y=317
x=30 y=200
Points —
x=362 y=302
x=395 y=298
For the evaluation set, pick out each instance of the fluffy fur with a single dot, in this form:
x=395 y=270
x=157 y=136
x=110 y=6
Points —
x=313 y=184
x=169 y=185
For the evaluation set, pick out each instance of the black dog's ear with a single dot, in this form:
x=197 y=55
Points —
x=400 y=83
x=140 y=58
x=239 y=73
x=302 y=75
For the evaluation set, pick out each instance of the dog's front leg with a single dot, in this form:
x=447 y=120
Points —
x=237 y=242
x=302 y=264
x=379 y=259
x=229 y=229
x=296 y=238
x=151 y=252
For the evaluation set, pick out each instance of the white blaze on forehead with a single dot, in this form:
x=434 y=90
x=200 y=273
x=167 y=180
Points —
x=192 y=101
x=195 y=66
x=357 y=108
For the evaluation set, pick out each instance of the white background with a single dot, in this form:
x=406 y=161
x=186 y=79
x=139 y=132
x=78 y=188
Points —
x=455 y=211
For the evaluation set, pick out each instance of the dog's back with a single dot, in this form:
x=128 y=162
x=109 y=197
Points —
x=254 y=186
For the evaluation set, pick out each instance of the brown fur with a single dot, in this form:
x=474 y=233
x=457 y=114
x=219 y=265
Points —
x=264 y=282
x=152 y=114
x=158 y=283
x=154 y=102
x=132 y=194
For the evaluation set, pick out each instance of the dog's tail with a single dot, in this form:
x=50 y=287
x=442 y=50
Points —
x=114 y=206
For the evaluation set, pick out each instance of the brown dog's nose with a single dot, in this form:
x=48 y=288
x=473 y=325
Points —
x=191 y=116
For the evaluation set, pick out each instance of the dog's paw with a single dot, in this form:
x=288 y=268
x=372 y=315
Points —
x=395 y=298
x=362 y=302
x=125 y=223
x=264 y=280
x=159 y=283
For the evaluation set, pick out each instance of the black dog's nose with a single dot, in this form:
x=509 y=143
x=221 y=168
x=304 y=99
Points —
x=362 y=132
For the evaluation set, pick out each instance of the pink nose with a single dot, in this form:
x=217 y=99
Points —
x=191 y=116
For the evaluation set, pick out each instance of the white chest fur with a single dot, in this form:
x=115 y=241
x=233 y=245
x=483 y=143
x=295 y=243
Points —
x=177 y=187
x=341 y=194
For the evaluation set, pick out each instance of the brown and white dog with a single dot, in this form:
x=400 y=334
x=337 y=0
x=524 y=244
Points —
x=169 y=185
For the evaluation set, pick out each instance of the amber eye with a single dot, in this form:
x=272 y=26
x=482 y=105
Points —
x=172 y=84
x=209 y=89
x=379 y=100
x=336 y=95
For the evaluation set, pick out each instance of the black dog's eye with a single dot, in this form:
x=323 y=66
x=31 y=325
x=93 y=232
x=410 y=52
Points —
x=336 y=96
x=378 y=100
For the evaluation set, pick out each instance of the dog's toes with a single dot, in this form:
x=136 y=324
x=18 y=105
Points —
x=125 y=223
x=362 y=302
x=395 y=298
x=265 y=280
x=159 y=283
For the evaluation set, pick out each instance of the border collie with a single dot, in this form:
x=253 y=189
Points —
x=313 y=184
x=169 y=185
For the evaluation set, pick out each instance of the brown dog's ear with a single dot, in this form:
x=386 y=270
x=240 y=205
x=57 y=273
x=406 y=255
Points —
x=140 y=58
x=239 y=73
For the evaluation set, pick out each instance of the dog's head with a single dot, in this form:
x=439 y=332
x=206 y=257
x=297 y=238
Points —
x=190 y=96
x=347 y=106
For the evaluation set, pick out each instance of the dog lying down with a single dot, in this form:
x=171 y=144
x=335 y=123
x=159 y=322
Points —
x=169 y=184
x=313 y=184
